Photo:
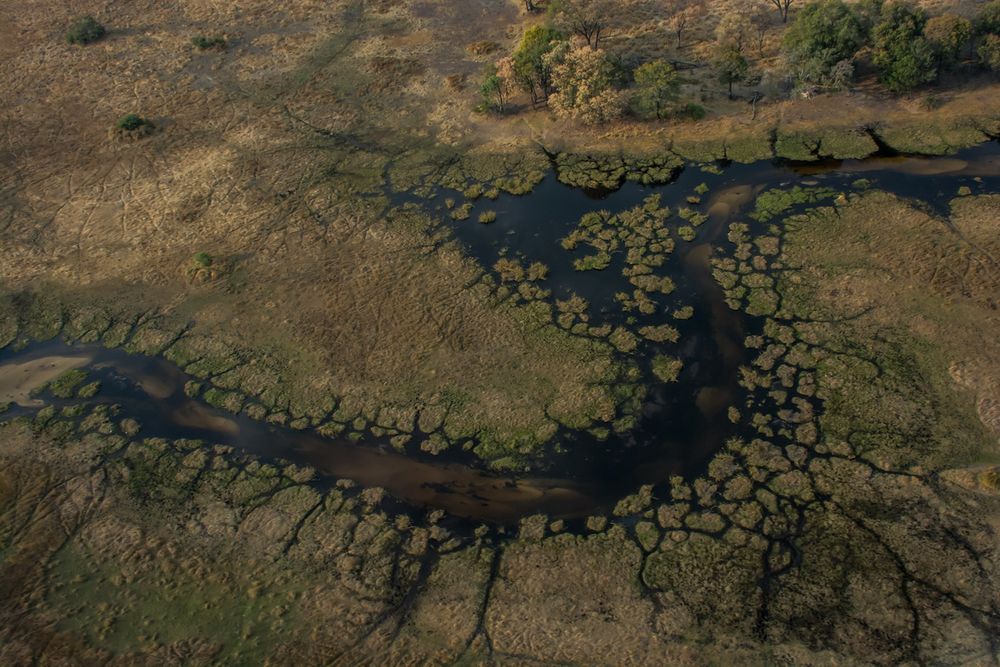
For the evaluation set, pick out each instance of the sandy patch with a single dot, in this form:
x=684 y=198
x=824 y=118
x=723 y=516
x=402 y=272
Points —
x=18 y=380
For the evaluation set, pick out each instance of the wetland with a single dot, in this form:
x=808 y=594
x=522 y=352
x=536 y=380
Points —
x=310 y=353
x=679 y=423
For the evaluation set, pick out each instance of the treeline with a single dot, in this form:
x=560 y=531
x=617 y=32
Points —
x=906 y=47
x=562 y=63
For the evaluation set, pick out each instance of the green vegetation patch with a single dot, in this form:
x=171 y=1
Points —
x=85 y=30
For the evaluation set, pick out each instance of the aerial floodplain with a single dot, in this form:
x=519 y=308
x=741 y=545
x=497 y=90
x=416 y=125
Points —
x=500 y=332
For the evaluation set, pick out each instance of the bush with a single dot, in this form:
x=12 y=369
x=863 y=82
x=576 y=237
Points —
x=203 y=259
x=691 y=111
x=132 y=122
x=205 y=43
x=85 y=31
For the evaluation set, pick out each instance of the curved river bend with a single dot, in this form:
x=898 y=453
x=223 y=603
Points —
x=682 y=425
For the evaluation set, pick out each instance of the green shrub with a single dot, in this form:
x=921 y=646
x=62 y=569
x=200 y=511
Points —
x=132 y=122
x=691 y=111
x=85 y=30
x=203 y=259
x=205 y=43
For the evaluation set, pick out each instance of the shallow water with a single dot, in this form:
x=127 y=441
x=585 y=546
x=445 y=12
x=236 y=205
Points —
x=683 y=423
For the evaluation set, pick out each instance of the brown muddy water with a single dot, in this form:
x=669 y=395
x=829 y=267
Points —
x=682 y=424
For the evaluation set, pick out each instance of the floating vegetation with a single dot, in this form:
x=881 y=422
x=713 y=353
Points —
x=666 y=368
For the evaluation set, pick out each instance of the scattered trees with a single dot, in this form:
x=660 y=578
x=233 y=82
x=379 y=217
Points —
x=85 y=30
x=657 y=86
x=587 y=18
x=903 y=56
x=579 y=80
x=584 y=81
x=823 y=38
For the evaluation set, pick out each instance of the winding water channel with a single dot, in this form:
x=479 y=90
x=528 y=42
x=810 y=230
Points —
x=682 y=424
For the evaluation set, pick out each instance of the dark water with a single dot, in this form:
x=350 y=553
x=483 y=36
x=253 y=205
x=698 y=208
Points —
x=682 y=424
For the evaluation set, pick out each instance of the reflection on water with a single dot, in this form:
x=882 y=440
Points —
x=682 y=424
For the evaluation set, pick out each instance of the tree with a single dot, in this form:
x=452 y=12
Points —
x=498 y=84
x=989 y=52
x=683 y=13
x=948 y=34
x=730 y=67
x=823 y=34
x=657 y=85
x=587 y=18
x=988 y=22
x=734 y=31
x=905 y=59
x=869 y=12
x=584 y=82
x=531 y=71
x=760 y=20
x=782 y=6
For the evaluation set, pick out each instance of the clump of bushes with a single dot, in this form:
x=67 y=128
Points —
x=691 y=111
x=85 y=30
x=203 y=268
x=486 y=217
x=203 y=43
x=133 y=126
